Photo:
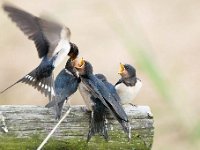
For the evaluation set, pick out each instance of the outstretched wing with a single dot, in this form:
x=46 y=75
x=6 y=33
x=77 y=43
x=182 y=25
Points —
x=100 y=91
x=45 y=34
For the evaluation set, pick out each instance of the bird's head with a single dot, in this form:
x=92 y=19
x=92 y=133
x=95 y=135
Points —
x=83 y=67
x=127 y=71
x=73 y=53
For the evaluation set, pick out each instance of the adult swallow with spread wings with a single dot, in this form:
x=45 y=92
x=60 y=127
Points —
x=52 y=41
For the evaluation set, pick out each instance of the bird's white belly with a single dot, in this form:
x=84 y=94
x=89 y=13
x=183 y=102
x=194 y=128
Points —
x=62 y=49
x=128 y=93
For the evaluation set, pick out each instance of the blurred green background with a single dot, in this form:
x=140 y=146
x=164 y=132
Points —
x=160 y=38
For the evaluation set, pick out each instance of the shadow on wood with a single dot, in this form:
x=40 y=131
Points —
x=28 y=121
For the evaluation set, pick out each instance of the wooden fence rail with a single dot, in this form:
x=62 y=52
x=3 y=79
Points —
x=25 y=121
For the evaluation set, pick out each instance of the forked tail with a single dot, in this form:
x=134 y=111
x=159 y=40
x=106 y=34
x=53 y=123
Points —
x=44 y=85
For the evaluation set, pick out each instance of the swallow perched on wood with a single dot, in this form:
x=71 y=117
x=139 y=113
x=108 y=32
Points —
x=94 y=87
x=111 y=88
x=128 y=85
x=52 y=41
x=66 y=84
x=98 y=116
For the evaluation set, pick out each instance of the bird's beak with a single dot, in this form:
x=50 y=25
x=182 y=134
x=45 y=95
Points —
x=80 y=63
x=121 y=69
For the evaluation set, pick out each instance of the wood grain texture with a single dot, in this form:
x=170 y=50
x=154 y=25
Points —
x=27 y=120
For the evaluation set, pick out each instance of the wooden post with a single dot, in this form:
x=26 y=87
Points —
x=24 y=121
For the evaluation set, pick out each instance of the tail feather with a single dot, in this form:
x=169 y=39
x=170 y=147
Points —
x=10 y=86
x=24 y=80
x=45 y=88
x=98 y=120
x=50 y=81
x=38 y=85
x=45 y=85
x=31 y=79
x=51 y=103
x=41 y=87
x=57 y=104
x=97 y=125
x=126 y=127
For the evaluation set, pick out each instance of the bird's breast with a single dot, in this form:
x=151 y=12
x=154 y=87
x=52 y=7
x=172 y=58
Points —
x=128 y=93
x=62 y=44
x=61 y=54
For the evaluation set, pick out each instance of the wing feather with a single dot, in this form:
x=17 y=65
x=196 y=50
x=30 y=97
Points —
x=46 y=34
x=99 y=90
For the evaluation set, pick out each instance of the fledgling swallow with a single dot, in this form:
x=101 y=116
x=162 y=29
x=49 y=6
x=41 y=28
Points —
x=66 y=84
x=111 y=88
x=93 y=87
x=128 y=85
x=52 y=41
x=98 y=114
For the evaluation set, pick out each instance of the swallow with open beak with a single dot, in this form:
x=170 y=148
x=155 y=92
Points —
x=94 y=87
x=65 y=85
x=52 y=41
x=128 y=85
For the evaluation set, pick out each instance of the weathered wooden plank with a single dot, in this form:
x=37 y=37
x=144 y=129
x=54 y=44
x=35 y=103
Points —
x=26 y=120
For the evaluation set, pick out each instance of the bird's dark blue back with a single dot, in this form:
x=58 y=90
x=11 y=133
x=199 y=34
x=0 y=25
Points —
x=110 y=87
x=66 y=84
x=99 y=90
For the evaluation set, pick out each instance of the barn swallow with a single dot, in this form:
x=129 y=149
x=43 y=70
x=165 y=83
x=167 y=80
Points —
x=52 y=41
x=128 y=85
x=98 y=116
x=66 y=84
x=93 y=87
x=111 y=88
